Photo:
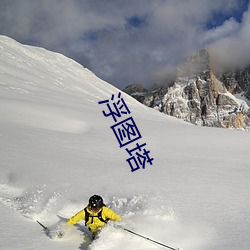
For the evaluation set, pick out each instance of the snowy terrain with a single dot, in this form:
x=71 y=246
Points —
x=57 y=149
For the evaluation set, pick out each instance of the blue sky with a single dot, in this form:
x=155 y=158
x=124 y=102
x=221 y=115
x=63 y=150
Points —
x=218 y=17
x=131 y=41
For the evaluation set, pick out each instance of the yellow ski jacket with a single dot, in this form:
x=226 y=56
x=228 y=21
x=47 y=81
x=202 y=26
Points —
x=94 y=223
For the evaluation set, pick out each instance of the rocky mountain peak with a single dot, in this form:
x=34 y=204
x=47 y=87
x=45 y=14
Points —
x=202 y=97
x=196 y=64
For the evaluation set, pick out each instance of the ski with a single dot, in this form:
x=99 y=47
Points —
x=46 y=230
x=44 y=227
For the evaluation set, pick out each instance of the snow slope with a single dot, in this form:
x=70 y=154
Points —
x=57 y=149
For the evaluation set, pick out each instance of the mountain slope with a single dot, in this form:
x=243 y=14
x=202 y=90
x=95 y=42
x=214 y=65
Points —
x=57 y=149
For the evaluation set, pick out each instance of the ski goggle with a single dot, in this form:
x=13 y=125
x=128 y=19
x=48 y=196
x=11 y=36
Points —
x=94 y=208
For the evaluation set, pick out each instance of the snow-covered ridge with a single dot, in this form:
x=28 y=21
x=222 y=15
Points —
x=33 y=74
x=35 y=68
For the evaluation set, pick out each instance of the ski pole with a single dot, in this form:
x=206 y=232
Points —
x=159 y=243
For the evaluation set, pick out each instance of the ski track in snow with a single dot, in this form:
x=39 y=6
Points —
x=144 y=214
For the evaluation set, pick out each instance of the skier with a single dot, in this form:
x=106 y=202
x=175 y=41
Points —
x=95 y=214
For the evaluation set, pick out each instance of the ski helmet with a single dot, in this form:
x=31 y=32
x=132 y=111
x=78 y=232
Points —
x=95 y=202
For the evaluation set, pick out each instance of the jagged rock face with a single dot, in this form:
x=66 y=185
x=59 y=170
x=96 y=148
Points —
x=134 y=88
x=137 y=91
x=204 y=102
x=199 y=97
x=237 y=81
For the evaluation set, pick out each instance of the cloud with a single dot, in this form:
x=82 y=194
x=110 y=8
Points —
x=228 y=28
x=233 y=49
x=125 y=42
